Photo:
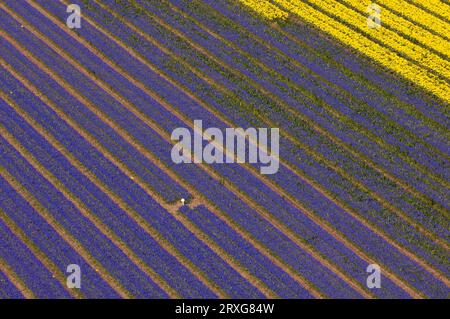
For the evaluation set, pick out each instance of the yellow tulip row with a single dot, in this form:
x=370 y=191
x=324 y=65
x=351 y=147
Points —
x=359 y=22
x=414 y=13
x=400 y=24
x=266 y=9
x=378 y=53
x=436 y=6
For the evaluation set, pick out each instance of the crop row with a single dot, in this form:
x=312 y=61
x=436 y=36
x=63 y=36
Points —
x=209 y=257
x=99 y=202
x=431 y=18
x=356 y=70
x=7 y=289
x=266 y=9
x=129 y=231
x=240 y=248
x=63 y=211
x=248 y=255
x=141 y=166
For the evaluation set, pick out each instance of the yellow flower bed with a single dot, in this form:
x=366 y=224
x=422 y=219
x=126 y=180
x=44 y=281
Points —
x=418 y=15
x=436 y=6
x=265 y=9
x=398 y=23
x=359 y=21
x=387 y=57
x=378 y=53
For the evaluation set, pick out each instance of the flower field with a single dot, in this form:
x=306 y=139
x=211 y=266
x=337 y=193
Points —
x=87 y=178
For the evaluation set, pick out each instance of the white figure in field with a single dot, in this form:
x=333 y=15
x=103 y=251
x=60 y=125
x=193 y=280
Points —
x=182 y=201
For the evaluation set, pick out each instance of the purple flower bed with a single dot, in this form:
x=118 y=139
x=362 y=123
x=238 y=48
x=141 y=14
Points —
x=27 y=267
x=276 y=278
x=259 y=265
x=362 y=236
x=339 y=219
x=128 y=155
x=99 y=203
x=369 y=242
x=99 y=200
x=306 y=195
x=220 y=272
x=7 y=289
x=111 y=258
x=50 y=243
